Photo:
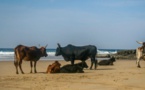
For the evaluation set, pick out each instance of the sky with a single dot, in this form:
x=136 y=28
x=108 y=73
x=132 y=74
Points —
x=107 y=24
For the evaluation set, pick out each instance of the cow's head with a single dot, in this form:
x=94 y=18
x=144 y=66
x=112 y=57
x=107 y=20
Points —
x=58 y=50
x=112 y=59
x=84 y=64
x=57 y=63
x=43 y=51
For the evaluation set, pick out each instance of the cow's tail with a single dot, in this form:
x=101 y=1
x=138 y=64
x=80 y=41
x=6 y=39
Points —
x=16 y=56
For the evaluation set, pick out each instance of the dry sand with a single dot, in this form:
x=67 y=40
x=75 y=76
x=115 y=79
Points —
x=124 y=75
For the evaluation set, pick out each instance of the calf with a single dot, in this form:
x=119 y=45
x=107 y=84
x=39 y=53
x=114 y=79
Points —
x=76 y=68
x=54 y=68
x=107 y=62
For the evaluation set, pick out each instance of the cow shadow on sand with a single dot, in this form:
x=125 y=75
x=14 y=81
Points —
x=100 y=69
x=106 y=69
x=85 y=71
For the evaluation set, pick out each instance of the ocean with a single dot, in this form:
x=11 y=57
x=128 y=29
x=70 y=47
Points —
x=7 y=54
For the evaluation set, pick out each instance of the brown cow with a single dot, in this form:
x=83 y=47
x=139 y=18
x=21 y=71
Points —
x=31 y=54
x=54 y=68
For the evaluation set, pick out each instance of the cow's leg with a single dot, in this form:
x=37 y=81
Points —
x=93 y=61
x=91 y=65
x=96 y=63
x=83 y=61
x=111 y=63
x=138 y=62
x=35 y=62
x=16 y=65
x=20 y=66
x=72 y=61
x=31 y=64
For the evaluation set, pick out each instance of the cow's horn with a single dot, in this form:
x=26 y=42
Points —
x=46 y=45
x=58 y=45
x=139 y=42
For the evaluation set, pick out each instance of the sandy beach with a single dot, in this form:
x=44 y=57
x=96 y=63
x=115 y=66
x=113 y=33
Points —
x=124 y=75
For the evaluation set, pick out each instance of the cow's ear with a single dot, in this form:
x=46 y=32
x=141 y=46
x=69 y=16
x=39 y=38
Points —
x=58 y=45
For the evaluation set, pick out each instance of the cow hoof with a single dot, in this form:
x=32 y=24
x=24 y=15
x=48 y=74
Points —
x=31 y=71
x=138 y=66
x=80 y=72
x=90 y=68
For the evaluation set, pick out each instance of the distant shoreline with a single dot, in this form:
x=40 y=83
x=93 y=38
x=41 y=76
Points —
x=8 y=55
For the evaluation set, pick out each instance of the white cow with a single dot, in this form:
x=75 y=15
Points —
x=139 y=54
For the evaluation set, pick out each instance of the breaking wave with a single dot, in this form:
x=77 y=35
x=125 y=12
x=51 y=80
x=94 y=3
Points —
x=8 y=54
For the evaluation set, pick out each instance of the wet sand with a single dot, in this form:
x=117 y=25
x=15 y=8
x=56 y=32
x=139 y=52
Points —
x=123 y=75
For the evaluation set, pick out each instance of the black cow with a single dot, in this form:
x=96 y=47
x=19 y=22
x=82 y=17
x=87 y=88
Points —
x=107 y=62
x=71 y=53
x=76 y=68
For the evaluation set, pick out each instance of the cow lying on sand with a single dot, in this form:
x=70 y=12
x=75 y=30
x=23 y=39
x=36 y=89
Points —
x=107 y=62
x=76 y=68
x=54 y=68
